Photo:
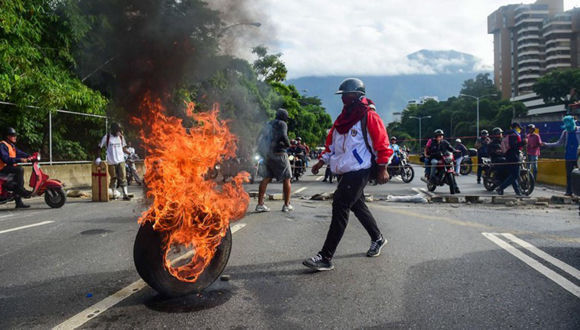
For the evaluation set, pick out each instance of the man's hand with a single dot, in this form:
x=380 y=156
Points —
x=317 y=167
x=382 y=175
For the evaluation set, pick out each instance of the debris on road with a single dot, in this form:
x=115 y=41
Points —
x=77 y=194
x=369 y=198
x=225 y=278
x=275 y=197
x=407 y=199
x=253 y=194
x=321 y=197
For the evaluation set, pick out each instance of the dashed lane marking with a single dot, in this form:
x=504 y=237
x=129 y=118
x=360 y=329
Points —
x=103 y=305
x=552 y=275
x=299 y=190
x=25 y=227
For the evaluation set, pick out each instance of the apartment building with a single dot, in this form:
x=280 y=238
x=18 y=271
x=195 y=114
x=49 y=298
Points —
x=530 y=40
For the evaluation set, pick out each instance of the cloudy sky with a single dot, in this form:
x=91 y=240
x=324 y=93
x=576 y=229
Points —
x=341 y=37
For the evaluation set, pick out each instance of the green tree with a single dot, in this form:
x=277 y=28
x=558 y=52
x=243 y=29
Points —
x=36 y=41
x=269 y=66
x=557 y=86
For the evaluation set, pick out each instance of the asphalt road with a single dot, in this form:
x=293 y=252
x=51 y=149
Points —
x=445 y=266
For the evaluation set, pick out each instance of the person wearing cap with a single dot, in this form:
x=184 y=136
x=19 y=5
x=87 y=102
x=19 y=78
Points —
x=512 y=156
x=459 y=154
x=10 y=156
x=533 y=148
x=357 y=137
x=570 y=140
x=482 y=145
x=116 y=148
x=276 y=162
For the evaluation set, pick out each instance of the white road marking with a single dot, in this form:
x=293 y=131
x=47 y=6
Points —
x=103 y=305
x=552 y=275
x=556 y=262
x=27 y=226
x=299 y=190
x=22 y=215
x=319 y=178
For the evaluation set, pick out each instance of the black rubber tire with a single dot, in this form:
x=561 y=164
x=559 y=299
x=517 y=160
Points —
x=55 y=197
x=431 y=187
x=466 y=167
x=527 y=183
x=451 y=182
x=407 y=169
x=148 y=257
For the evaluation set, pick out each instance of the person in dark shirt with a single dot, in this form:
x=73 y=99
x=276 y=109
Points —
x=10 y=156
x=512 y=156
x=460 y=153
x=482 y=145
x=276 y=163
x=436 y=149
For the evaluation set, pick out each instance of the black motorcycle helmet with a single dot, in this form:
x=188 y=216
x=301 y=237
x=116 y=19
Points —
x=438 y=132
x=484 y=132
x=299 y=139
x=352 y=85
x=393 y=138
x=497 y=131
x=10 y=131
x=116 y=128
x=282 y=114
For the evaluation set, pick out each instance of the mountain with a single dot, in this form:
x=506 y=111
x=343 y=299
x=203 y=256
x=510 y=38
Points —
x=445 y=73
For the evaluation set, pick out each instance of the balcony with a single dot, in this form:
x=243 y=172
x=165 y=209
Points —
x=528 y=53
x=558 y=57
x=556 y=49
x=557 y=40
x=538 y=21
x=529 y=60
x=528 y=76
x=557 y=66
x=546 y=34
x=531 y=69
x=526 y=85
x=535 y=28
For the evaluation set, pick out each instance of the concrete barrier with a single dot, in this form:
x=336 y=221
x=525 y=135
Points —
x=73 y=175
x=550 y=171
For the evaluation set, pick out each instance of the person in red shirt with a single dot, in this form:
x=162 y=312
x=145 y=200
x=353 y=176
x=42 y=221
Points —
x=357 y=136
x=533 y=149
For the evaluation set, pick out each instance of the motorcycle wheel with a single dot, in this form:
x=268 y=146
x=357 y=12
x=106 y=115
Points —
x=148 y=257
x=466 y=167
x=452 y=184
x=431 y=187
x=527 y=183
x=407 y=174
x=55 y=197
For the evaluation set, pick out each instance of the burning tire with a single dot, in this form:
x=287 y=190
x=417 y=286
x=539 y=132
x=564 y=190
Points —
x=149 y=261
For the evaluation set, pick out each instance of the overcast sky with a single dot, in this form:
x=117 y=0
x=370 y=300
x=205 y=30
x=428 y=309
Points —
x=344 y=37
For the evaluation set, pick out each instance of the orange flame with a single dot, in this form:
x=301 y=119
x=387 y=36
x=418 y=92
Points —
x=193 y=211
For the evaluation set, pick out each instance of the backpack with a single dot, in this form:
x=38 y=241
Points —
x=264 y=141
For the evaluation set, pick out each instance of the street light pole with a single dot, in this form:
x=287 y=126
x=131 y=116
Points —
x=420 y=129
x=477 y=99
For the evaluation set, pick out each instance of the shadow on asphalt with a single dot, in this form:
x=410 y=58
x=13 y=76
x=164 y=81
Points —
x=218 y=294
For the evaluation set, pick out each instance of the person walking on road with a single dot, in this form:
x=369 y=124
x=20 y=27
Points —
x=116 y=150
x=570 y=139
x=533 y=149
x=356 y=139
x=272 y=146
x=460 y=153
x=511 y=146
x=482 y=145
x=9 y=157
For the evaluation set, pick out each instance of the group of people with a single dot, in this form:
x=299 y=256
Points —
x=506 y=148
x=357 y=140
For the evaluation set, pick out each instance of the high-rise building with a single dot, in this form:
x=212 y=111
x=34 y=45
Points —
x=530 y=40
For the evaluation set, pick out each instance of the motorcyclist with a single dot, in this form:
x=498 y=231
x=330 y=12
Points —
x=495 y=153
x=396 y=160
x=482 y=145
x=513 y=159
x=435 y=151
x=305 y=149
x=9 y=157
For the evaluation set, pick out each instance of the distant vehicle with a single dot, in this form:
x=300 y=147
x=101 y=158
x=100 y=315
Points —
x=492 y=178
x=404 y=169
x=445 y=174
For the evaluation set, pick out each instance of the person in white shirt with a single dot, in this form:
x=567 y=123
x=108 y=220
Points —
x=116 y=150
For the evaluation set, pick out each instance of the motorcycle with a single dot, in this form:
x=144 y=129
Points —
x=403 y=168
x=445 y=174
x=466 y=166
x=53 y=190
x=131 y=170
x=492 y=178
x=297 y=164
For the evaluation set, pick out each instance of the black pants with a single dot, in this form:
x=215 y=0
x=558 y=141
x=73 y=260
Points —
x=570 y=164
x=349 y=196
x=479 y=167
x=18 y=172
x=328 y=174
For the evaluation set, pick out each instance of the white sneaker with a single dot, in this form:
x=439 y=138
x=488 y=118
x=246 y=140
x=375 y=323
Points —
x=287 y=208
x=262 y=208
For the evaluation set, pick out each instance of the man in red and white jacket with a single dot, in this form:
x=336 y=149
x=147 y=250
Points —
x=349 y=157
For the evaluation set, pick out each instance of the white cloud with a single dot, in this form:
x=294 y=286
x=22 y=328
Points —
x=342 y=37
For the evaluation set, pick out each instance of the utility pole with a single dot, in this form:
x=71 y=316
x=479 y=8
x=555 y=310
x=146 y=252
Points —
x=477 y=99
x=420 y=129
